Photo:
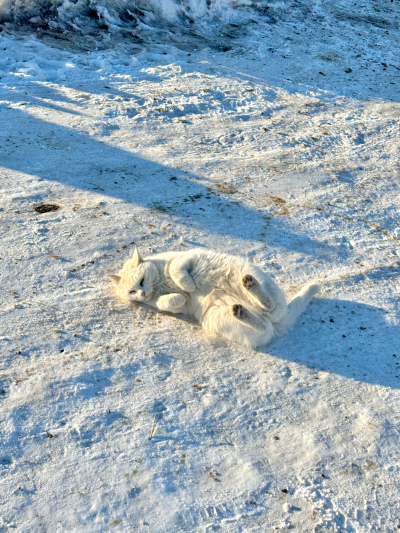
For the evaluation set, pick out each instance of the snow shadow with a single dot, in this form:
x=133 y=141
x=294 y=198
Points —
x=95 y=382
x=78 y=160
x=93 y=426
x=348 y=338
x=89 y=384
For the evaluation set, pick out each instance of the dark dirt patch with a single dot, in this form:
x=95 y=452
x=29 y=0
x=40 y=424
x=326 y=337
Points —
x=46 y=208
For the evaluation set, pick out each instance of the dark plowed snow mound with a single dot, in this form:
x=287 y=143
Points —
x=101 y=23
x=188 y=24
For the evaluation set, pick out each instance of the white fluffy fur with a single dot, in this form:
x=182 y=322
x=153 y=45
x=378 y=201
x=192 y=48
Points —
x=227 y=295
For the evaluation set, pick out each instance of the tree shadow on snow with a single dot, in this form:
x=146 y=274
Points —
x=78 y=160
x=343 y=337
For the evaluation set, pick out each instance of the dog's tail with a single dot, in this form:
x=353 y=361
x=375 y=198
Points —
x=298 y=305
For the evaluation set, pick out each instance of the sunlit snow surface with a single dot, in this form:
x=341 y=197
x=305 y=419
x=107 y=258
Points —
x=273 y=149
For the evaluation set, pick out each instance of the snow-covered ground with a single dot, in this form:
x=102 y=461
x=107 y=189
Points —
x=285 y=148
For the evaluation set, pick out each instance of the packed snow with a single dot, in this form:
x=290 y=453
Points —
x=284 y=147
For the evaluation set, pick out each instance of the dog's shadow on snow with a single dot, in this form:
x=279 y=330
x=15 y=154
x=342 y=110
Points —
x=343 y=337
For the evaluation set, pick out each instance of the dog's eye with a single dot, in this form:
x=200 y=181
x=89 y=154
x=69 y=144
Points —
x=131 y=292
x=141 y=283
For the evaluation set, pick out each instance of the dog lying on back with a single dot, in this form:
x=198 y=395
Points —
x=226 y=294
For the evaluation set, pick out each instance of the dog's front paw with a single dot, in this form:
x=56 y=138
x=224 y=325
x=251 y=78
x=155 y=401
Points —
x=177 y=300
x=188 y=284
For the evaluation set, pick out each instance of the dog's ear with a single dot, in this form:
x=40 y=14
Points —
x=114 y=279
x=136 y=258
